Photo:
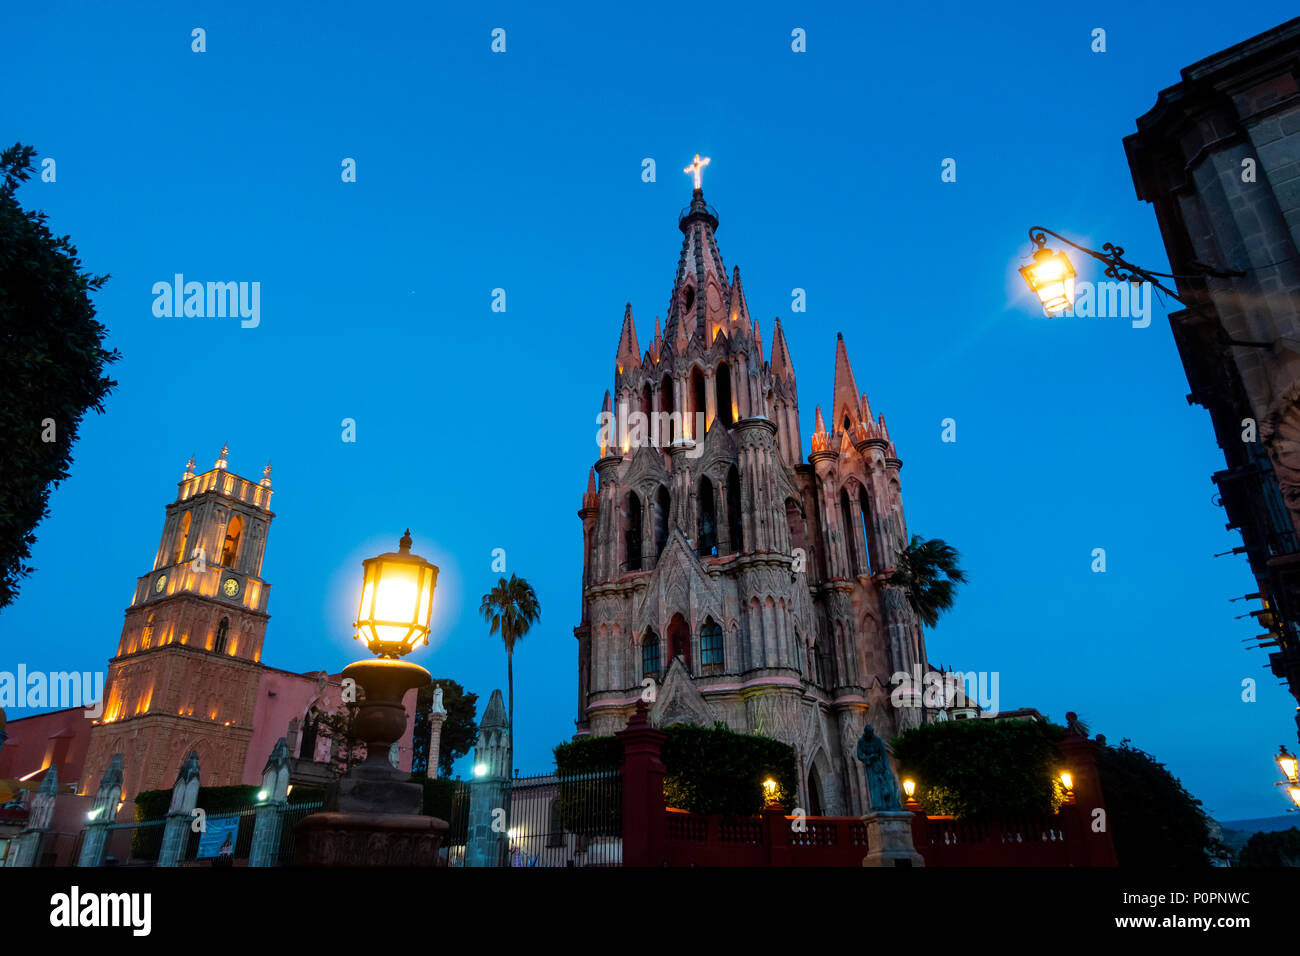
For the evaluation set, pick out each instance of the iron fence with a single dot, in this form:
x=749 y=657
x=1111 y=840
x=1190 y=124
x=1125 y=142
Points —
x=574 y=820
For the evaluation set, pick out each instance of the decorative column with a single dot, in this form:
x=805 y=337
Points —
x=485 y=843
x=437 y=717
x=185 y=794
x=270 y=811
x=102 y=814
x=645 y=829
x=27 y=851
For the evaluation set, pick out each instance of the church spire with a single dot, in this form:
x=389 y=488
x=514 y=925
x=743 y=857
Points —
x=629 y=352
x=739 y=308
x=657 y=346
x=782 y=367
x=701 y=292
x=758 y=340
x=821 y=441
x=846 y=394
x=608 y=428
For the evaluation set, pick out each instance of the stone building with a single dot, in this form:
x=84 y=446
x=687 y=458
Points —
x=1218 y=158
x=748 y=584
x=188 y=672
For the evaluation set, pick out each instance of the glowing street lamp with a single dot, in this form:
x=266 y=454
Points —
x=396 y=601
x=769 y=790
x=1067 y=785
x=1051 y=277
x=396 y=605
x=1286 y=762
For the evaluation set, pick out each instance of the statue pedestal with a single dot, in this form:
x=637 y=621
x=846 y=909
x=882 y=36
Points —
x=368 y=839
x=889 y=839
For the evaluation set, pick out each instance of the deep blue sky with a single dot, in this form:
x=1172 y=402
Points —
x=523 y=171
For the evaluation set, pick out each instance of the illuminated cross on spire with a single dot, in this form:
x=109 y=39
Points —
x=697 y=168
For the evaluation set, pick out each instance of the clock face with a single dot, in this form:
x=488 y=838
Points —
x=160 y=583
x=231 y=587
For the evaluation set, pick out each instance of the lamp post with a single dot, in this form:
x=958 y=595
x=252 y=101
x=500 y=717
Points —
x=1050 y=276
x=396 y=605
x=1286 y=762
x=371 y=815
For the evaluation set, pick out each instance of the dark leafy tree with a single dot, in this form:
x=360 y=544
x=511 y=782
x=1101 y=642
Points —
x=1154 y=820
x=459 y=730
x=928 y=573
x=1271 y=849
x=52 y=362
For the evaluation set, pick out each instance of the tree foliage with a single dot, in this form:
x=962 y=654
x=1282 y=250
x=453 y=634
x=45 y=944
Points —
x=52 y=362
x=982 y=768
x=510 y=609
x=1271 y=849
x=1155 y=822
x=928 y=573
x=707 y=769
x=459 y=730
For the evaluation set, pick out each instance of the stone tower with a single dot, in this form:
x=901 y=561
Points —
x=751 y=587
x=187 y=668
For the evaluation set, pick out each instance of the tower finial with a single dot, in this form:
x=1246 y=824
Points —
x=189 y=468
x=266 y=475
x=220 y=464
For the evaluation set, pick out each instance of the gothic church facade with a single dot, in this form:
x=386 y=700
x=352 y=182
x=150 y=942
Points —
x=749 y=584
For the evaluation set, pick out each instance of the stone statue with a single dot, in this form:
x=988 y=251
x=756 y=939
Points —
x=881 y=785
x=437 y=701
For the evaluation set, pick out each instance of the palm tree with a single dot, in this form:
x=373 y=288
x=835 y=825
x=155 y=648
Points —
x=511 y=608
x=927 y=572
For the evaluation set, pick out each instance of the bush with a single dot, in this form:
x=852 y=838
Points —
x=982 y=768
x=707 y=769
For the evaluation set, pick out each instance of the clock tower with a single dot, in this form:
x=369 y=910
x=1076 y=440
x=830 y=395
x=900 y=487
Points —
x=188 y=664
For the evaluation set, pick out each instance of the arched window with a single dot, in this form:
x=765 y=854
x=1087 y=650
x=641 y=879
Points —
x=647 y=402
x=663 y=506
x=633 y=536
x=308 y=749
x=864 y=506
x=735 y=522
x=222 y=633
x=679 y=640
x=230 y=550
x=711 y=645
x=182 y=539
x=846 y=523
x=699 y=404
x=667 y=407
x=650 y=655
x=722 y=393
x=146 y=635
x=706 y=526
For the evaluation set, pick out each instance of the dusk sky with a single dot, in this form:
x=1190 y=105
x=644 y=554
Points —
x=523 y=171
